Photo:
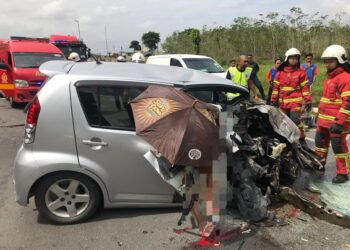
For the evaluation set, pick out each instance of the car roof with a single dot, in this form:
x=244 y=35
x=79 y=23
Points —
x=136 y=72
x=179 y=56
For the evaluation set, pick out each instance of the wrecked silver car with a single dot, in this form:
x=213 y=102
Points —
x=266 y=155
x=95 y=159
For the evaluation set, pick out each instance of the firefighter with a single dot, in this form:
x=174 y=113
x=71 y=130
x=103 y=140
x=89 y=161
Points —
x=74 y=56
x=333 y=120
x=291 y=90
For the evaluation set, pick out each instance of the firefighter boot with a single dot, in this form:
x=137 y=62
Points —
x=340 y=178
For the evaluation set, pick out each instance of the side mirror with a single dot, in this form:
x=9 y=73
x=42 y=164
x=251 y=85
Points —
x=3 y=66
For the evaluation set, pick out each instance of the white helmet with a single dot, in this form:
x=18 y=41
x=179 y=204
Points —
x=335 y=51
x=291 y=52
x=121 y=59
x=74 y=56
x=138 y=57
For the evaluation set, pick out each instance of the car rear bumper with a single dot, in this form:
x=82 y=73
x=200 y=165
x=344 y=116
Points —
x=25 y=173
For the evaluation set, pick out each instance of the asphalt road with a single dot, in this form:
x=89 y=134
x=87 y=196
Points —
x=22 y=228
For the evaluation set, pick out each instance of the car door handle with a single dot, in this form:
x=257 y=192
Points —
x=95 y=143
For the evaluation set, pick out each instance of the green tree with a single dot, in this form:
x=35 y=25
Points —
x=267 y=36
x=184 y=42
x=151 y=40
x=135 y=45
x=196 y=39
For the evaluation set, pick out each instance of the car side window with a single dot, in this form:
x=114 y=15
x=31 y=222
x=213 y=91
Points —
x=175 y=62
x=108 y=107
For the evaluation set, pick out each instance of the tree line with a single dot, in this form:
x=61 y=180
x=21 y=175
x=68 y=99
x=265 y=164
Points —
x=266 y=36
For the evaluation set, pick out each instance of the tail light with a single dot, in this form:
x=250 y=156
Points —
x=32 y=119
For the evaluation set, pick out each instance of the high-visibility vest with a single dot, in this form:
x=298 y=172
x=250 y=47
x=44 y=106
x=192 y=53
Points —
x=240 y=78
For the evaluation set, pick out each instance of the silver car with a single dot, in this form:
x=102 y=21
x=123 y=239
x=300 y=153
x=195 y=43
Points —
x=80 y=150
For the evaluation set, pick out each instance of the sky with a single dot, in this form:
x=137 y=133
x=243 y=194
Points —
x=125 y=20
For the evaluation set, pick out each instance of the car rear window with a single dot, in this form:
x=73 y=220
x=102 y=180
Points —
x=108 y=107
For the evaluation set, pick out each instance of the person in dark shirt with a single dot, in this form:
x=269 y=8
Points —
x=255 y=67
x=270 y=77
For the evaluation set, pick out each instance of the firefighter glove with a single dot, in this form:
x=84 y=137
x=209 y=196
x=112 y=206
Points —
x=336 y=128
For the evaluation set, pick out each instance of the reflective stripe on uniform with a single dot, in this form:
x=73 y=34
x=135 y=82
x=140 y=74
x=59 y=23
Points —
x=288 y=89
x=276 y=82
x=346 y=93
x=303 y=83
x=6 y=86
x=306 y=93
x=329 y=117
x=346 y=158
x=326 y=117
x=322 y=150
x=274 y=92
x=299 y=99
x=344 y=111
x=329 y=101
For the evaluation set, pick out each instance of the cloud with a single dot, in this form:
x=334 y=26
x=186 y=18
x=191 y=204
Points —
x=146 y=24
x=128 y=20
x=53 y=8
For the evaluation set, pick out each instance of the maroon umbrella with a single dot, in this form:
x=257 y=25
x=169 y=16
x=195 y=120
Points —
x=183 y=129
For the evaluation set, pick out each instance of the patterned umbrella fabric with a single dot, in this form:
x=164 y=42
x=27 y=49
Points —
x=181 y=128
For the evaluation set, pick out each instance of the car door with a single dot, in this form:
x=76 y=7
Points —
x=108 y=146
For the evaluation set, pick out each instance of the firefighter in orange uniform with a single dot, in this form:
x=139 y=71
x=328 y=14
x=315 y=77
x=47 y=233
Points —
x=291 y=90
x=333 y=120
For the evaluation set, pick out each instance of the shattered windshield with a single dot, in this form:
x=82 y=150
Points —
x=203 y=64
x=33 y=60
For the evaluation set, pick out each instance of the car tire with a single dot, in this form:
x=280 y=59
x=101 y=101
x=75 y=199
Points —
x=13 y=104
x=67 y=198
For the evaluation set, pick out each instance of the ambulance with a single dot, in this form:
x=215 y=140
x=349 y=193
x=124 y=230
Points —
x=20 y=58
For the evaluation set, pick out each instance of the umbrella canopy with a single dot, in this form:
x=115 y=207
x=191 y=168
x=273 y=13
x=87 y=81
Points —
x=181 y=128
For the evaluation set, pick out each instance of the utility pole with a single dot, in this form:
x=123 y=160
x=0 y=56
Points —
x=106 y=39
x=77 y=21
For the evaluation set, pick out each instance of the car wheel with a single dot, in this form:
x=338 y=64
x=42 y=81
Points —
x=67 y=198
x=13 y=104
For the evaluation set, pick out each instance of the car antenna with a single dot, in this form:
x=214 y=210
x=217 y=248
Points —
x=96 y=60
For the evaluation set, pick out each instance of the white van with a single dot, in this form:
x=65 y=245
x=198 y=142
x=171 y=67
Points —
x=202 y=63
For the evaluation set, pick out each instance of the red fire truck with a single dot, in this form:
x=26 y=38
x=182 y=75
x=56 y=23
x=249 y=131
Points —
x=68 y=44
x=20 y=58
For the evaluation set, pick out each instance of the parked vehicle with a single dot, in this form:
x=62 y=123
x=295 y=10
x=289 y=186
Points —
x=202 y=63
x=20 y=58
x=84 y=152
x=68 y=44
